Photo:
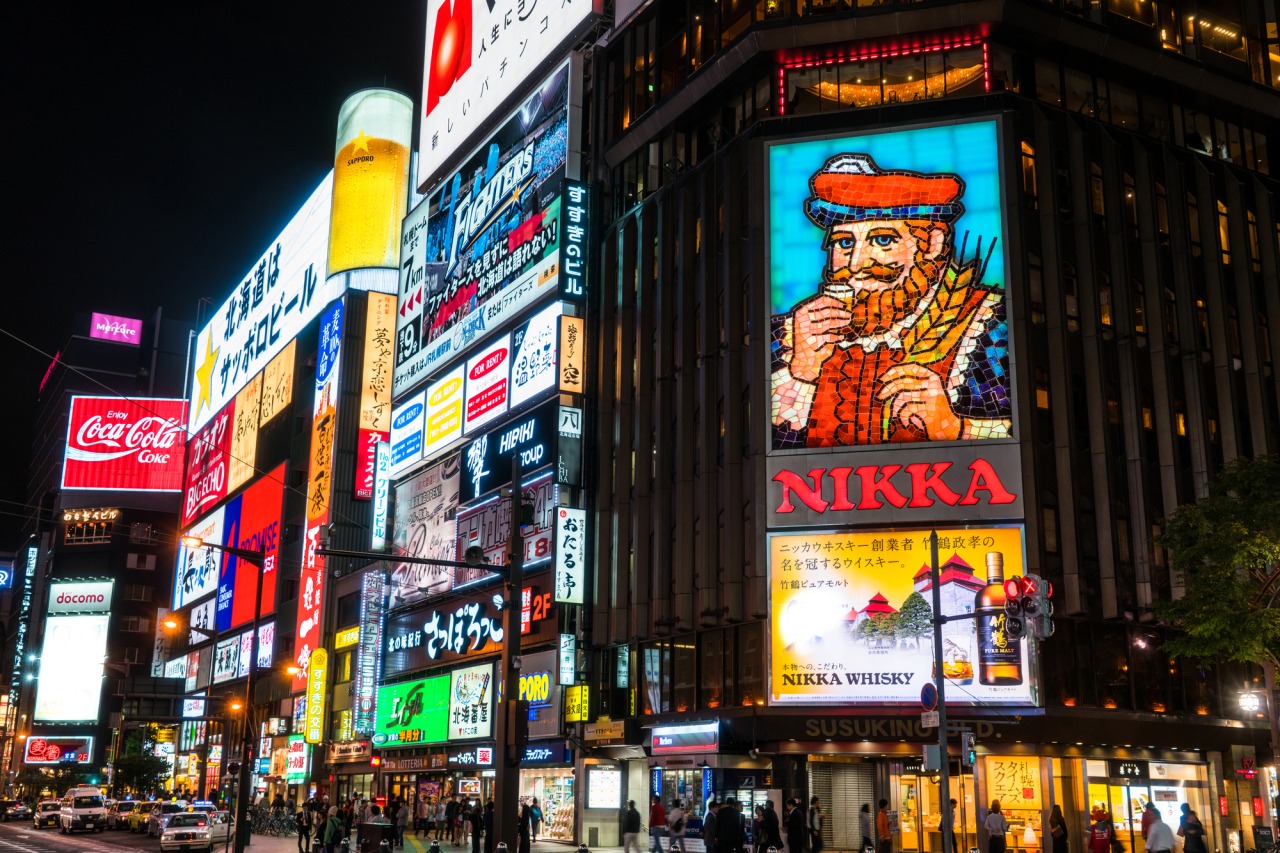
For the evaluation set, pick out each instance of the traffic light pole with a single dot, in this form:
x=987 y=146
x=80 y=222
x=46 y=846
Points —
x=506 y=812
x=940 y=679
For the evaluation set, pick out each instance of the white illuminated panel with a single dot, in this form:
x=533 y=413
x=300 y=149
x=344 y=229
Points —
x=70 y=681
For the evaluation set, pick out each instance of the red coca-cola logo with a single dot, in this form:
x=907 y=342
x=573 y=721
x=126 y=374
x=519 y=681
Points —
x=118 y=443
x=112 y=436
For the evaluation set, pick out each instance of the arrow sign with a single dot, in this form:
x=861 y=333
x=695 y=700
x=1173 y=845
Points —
x=929 y=696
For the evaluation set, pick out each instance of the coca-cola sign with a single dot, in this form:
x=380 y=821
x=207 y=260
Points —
x=125 y=444
x=207 y=462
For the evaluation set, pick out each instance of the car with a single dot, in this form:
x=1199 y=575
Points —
x=136 y=820
x=118 y=813
x=18 y=811
x=160 y=815
x=197 y=830
x=83 y=808
x=47 y=813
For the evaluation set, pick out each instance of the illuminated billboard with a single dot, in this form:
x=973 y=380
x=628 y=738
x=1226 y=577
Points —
x=478 y=54
x=199 y=568
x=275 y=300
x=426 y=507
x=408 y=421
x=412 y=713
x=277 y=384
x=226 y=660
x=250 y=520
x=375 y=389
x=109 y=327
x=243 y=454
x=122 y=444
x=851 y=617
x=69 y=689
x=484 y=246
x=324 y=429
x=370 y=180
x=887 y=271
x=58 y=749
x=471 y=702
x=207 y=472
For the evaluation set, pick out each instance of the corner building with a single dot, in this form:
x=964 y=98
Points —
x=1076 y=204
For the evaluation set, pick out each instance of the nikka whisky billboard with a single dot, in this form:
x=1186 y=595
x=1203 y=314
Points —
x=851 y=617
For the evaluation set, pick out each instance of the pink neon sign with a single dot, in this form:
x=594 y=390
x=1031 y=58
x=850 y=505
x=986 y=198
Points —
x=109 y=327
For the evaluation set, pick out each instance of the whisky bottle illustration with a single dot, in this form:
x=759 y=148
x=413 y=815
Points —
x=999 y=658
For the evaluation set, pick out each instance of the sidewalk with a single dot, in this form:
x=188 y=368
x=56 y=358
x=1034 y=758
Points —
x=414 y=844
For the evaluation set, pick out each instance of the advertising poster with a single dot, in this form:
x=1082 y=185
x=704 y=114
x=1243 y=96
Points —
x=470 y=702
x=275 y=300
x=425 y=526
x=887 y=276
x=548 y=435
x=573 y=355
x=297 y=760
x=534 y=369
x=125 y=445
x=488 y=391
x=226 y=660
x=244 y=434
x=277 y=384
x=251 y=521
x=489 y=248
x=477 y=54
x=541 y=688
x=203 y=622
x=851 y=617
x=56 y=749
x=246 y=653
x=266 y=644
x=571 y=554
x=199 y=568
x=489 y=526
x=408 y=424
x=375 y=388
x=207 y=463
x=109 y=327
x=319 y=491
x=413 y=713
x=444 y=410
x=368 y=656
x=317 y=689
x=70 y=685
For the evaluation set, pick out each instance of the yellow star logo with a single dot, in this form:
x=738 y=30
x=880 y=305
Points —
x=204 y=376
x=361 y=142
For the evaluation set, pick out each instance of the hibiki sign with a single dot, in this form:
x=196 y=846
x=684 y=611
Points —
x=126 y=445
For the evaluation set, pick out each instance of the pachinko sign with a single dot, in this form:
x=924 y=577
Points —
x=319 y=491
x=122 y=444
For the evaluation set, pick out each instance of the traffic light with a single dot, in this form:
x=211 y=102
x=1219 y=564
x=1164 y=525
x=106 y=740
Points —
x=968 y=749
x=233 y=768
x=1016 y=608
x=1042 y=625
x=375 y=761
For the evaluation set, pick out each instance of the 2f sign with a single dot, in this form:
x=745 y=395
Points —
x=571 y=555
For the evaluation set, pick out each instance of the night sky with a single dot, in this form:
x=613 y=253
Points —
x=154 y=151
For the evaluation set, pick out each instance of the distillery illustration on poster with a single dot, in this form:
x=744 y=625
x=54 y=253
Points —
x=851 y=617
x=886 y=276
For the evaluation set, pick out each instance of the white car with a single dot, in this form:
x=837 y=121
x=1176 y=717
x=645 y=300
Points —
x=83 y=808
x=198 y=831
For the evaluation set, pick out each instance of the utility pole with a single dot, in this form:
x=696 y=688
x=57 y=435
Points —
x=506 y=813
x=940 y=679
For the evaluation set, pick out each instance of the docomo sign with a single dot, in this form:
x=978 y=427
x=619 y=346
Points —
x=80 y=597
x=955 y=484
x=134 y=445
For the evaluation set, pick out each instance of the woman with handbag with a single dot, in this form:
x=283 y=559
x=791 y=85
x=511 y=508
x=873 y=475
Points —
x=1058 y=829
x=1191 y=830
x=997 y=828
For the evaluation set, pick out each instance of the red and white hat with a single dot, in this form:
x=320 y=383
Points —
x=852 y=188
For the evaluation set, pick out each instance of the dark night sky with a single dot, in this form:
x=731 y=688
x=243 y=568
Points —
x=155 y=150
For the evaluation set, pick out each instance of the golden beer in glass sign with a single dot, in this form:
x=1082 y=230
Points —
x=370 y=180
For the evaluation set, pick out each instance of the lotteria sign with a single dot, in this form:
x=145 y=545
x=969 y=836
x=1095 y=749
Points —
x=80 y=597
x=125 y=445
x=962 y=483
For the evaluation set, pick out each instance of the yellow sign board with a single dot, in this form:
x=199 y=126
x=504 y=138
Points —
x=577 y=700
x=317 y=688
x=1014 y=781
x=573 y=331
x=244 y=434
x=277 y=384
x=379 y=353
x=347 y=637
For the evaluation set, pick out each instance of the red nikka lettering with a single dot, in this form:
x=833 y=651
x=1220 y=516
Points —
x=924 y=485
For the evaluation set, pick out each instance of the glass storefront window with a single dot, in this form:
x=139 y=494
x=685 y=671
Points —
x=1168 y=786
x=711 y=675
x=554 y=789
x=749 y=667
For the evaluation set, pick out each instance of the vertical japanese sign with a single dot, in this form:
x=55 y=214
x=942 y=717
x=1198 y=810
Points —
x=575 y=227
x=206 y=478
x=373 y=596
x=375 y=389
x=573 y=335
x=381 y=496
x=470 y=702
x=244 y=434
x=1014 y=780
x=24 y=614
x=277 y=384
x=317 y=687
x=571 y=554
x=568 y=659
x=319 y=489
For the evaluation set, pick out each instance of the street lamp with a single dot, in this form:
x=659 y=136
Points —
x=259 y=560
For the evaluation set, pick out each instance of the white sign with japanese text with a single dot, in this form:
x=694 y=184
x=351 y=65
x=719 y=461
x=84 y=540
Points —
x=571 y=554
x=279 y=295
x=535 y=343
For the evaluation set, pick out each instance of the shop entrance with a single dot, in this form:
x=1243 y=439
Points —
x=1165 y=785
x=919 y=805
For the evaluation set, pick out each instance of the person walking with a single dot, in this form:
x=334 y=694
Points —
x=536 y=812
x=477 y=826
x=334 y=830
x=657 y=825
x=710 y=821
x=731 y=832
x=451 y=820
x=795 y=826
x=525 y=827
x=1159 y=835
x=864 y=827
x=1058 y=829
x=1191 y=831
x=951 y=827
x=302 y=818
x=487 y=820
x=1149 y=813
x=770 y=827
x=997 y=828
x=675 y=824
x=426 y=810
x=402 y=822
x=631 y=828
x=814 y=824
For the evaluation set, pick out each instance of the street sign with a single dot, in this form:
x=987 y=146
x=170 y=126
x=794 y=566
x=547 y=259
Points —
x=929 y=696
x=929 y=719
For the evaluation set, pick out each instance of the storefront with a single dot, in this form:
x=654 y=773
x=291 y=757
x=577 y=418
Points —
x=410 y=776
x=547 y=774
x=349 y=764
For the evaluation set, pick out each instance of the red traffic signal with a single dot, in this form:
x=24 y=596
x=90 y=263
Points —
x=1013 y=588
x=375 y=761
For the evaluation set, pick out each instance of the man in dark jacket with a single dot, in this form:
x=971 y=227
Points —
x=795 y=827
x=730 y=834
x=631 y=828
x=770 y=831
x=710 y=821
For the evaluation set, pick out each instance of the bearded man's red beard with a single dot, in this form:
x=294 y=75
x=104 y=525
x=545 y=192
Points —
x=877 y=310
